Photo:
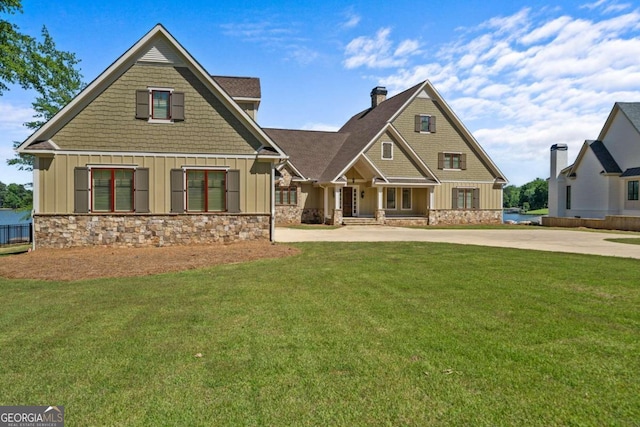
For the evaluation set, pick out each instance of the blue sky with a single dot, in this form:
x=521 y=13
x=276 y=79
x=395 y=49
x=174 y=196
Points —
x=520 y=75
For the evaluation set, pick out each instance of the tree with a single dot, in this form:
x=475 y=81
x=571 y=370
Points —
x=15 y=50
x=15 y=196
x=511 y=196
x=37 y=65
x=534 y=194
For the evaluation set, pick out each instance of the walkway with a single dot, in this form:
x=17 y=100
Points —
x=536 y=238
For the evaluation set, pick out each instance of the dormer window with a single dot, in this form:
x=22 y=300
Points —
x=159 y=105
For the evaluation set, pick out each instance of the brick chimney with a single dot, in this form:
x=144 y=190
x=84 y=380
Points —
x=378 y=95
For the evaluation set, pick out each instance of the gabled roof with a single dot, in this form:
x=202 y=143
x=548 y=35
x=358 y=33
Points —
x=342 y=149
x=311 y=150
x=363 y=128
x=157 y=45
x=240 y=87
x=604 y=157
x=631 y=110
x=606 y=160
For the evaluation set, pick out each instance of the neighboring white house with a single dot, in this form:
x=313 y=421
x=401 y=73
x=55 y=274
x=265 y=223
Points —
x=604 y=178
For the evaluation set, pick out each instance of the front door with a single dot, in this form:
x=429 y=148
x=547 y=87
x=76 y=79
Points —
x=347 y=201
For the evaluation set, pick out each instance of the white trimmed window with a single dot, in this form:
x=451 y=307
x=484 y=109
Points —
x=455 y=161
x=633 y=190
x=390 y=198
x=159 y=105
x=425 y=123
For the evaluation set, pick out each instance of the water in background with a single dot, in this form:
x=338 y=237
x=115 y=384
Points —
x=519 y=217
x=11 y=217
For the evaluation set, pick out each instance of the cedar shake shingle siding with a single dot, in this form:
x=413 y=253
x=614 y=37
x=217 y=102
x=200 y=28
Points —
x=400 y=166
x=109 y=122
x=447 y=138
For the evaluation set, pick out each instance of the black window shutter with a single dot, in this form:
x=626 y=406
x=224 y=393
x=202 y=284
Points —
x=476 y=198
x=141 y=196
x=177 y=105
x=142 y=104
x=81 y=190
x=454 y=198
x=233 y=191
x=432 y=124
x=177 y=191
x=418 y=123
x=463 y=161
x=440 y=160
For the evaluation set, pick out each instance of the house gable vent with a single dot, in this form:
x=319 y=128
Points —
x=160 y=52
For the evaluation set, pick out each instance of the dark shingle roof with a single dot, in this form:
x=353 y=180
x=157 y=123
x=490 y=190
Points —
x=632 y=111
x=309 y=151
x=41 y=145
x=362 y=128
x=604 y=157
x=322 y=155
x=239 y=87
x=631 y=172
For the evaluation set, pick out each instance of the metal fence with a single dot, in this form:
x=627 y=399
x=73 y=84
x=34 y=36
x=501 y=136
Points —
x=15 y=234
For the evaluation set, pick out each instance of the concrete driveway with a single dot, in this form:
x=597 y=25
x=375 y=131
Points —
x=536 y=238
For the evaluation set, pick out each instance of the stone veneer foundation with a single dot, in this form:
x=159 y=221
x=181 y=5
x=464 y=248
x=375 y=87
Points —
x=455 y=216
x=64 y=231
x=289 y=215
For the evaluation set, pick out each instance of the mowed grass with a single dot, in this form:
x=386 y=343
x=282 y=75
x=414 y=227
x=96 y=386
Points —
x=343 y=334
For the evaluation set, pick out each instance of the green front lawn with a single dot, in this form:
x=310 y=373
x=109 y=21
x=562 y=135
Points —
x=343 y=334
x=544 y=211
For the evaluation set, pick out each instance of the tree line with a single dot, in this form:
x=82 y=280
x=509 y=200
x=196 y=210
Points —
x=15 y=196
x=530 y=196
x=35 y=64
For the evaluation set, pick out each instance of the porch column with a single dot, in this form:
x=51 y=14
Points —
x=380 y=214
x=337 y=211
x=325 y=194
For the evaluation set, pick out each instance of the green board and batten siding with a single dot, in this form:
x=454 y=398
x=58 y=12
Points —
x=57 y=179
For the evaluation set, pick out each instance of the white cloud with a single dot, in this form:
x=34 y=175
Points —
x=607 y=6
x=378 y=51
x=524 y=82
x=12 y=129
x=352 y=20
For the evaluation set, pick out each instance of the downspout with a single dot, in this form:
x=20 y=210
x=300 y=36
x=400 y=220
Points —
x=36 y=199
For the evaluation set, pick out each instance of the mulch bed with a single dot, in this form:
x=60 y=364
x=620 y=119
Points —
x=103 y=262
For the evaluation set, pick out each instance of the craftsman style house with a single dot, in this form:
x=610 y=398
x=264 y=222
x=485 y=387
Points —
x=406 y=160
x=156 y=151
x=603 y=180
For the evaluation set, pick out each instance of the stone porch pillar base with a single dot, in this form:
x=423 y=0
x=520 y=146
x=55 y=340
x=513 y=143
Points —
x=337 y=217
x=380 y=216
